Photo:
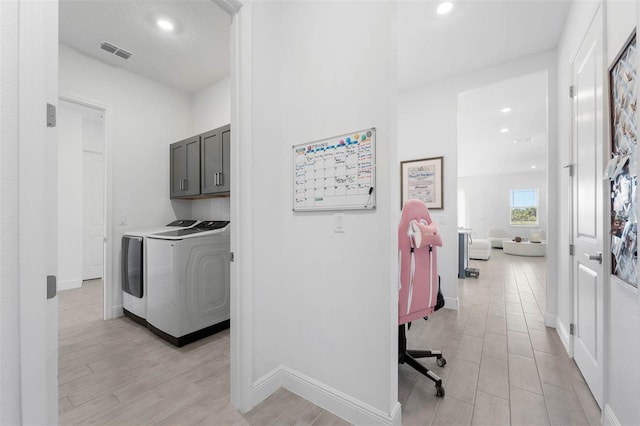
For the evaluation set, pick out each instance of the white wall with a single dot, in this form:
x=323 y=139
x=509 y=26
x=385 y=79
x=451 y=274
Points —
x=147 y=117
x=487 y=201
x=70 y=198
x=622 y=364
x=323 y=306
x=211 y=108
x=427 y=127
x=10 y=403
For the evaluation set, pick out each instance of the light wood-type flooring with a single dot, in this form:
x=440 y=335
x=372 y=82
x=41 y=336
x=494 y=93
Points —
x=504 y=366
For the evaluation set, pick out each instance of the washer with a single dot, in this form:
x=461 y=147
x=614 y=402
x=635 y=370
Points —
x=133 y=267
x=188 y=282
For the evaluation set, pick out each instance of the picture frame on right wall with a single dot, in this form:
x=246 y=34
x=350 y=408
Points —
x=622 y=168
x=422 y=179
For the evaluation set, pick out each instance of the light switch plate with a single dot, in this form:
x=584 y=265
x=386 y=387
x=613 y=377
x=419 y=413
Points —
x=337 y=222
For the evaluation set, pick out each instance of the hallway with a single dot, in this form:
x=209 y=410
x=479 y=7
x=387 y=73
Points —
x=503 y=365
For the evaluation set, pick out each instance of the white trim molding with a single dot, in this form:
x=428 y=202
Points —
x=451 y=303
x=608 y=417
x=338 y=403
x=69 y=284
x=550 y=320
x=565 y=336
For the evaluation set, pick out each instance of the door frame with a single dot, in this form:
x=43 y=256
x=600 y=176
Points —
x=108 y=282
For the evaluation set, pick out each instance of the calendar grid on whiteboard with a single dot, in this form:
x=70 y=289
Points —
x=336 y=173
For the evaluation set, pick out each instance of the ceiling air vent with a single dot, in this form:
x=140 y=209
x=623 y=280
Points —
x=115 y=50
x=123 y=54
x=108 y=47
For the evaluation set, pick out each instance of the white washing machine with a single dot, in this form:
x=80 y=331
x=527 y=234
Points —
x=133 y=267
x=188 y=276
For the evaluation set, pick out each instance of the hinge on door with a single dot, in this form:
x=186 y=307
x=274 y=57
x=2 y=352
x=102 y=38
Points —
x=52 y=286
x=572 y=91
x=571 y=168
x=571 y=249
x=51 y=115
x=572 y=329
x=232 y=256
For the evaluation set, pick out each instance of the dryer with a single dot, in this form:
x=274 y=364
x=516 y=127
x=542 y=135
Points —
x=133 y=268
x=188 y=282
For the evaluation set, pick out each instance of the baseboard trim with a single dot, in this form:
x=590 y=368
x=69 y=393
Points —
x=550 y=320
x=609 y=418
x=69 y=284
x=350 y=409
x=565 y=337
x=117 y=311
x=451 y=303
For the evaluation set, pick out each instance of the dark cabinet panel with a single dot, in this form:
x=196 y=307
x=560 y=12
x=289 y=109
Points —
x=215 y=161
x=200 y=165
x=185 y=168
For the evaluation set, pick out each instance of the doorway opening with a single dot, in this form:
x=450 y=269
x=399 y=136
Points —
x=82 y=201
x=502 y=168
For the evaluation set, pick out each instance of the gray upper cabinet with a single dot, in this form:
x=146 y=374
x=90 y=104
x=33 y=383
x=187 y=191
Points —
x=200 y=165
x=185 y=168
x=215 y=161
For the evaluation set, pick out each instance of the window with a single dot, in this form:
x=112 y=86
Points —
x=524 y=207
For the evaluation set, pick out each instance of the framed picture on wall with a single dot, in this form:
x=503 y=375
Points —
x=422 y=180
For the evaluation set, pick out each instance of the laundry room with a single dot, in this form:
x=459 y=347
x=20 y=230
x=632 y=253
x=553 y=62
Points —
x=160 y=85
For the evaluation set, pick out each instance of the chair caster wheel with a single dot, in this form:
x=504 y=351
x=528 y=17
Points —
x=439 y=391
x=441 y=362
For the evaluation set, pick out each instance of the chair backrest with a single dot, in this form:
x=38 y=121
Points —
x=417 y=238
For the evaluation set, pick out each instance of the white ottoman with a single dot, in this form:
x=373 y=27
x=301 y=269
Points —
x=479 y=249
x=525 y=248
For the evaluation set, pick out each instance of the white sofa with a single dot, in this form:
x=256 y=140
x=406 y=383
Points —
x=497 y=237
x=479 y=249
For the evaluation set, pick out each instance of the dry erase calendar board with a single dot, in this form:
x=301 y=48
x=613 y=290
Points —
x=336 y=173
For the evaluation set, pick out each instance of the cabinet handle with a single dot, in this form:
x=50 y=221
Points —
x=180 y=186
x=215 y=179
x=186 y=184
x=220 y=178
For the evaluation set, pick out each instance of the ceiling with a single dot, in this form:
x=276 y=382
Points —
x=482 y=148
x=478 y=34
x=190 y=59
x=475 y=35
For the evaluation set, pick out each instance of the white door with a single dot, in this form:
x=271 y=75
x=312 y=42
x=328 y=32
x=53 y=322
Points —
x=37 y=23
x=587 y=218
x=93 y=213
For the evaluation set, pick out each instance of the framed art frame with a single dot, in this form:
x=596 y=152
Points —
x=422 y=179
x=622 y=168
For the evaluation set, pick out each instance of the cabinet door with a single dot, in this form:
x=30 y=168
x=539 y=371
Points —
x=225 y=133
x=215 y=161
x=178 y=164
x=192 y=181
x=185 y=168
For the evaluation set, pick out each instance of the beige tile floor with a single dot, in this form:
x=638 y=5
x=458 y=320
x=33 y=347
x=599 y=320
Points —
x=117 y=372
x=504 y=366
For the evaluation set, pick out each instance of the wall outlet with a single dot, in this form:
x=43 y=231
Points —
x=123 y=220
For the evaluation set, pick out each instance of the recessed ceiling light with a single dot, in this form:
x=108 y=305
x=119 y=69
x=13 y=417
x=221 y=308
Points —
x=533 y=167
x=165 y=24
x=505 y=109
x=504 y=130
x=444 y=8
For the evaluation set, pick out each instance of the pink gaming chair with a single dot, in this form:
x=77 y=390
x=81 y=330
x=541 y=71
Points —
x=417 y=238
